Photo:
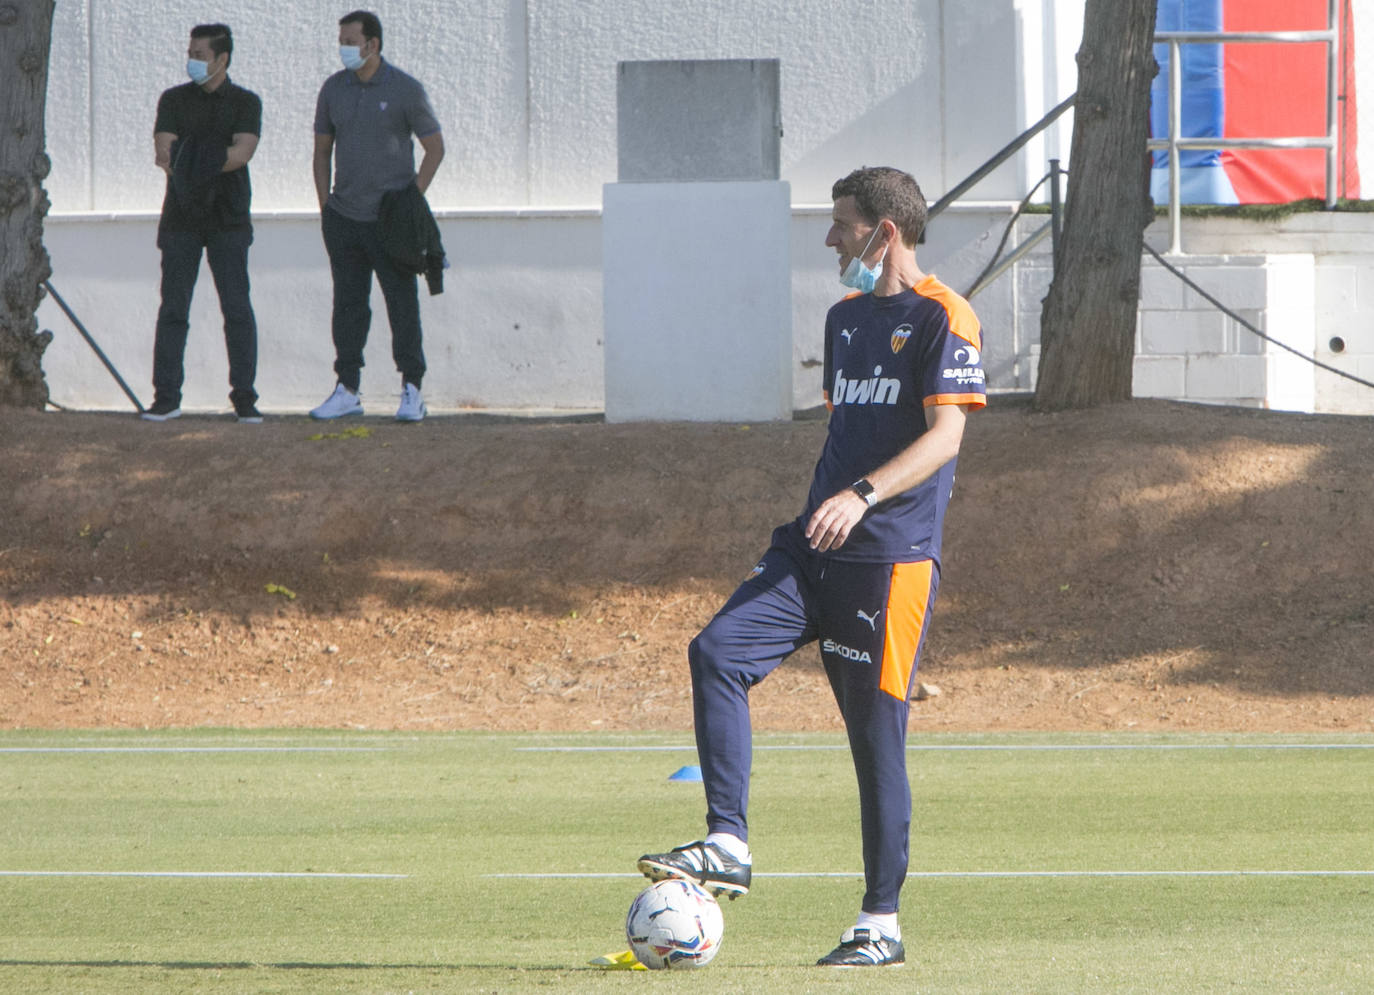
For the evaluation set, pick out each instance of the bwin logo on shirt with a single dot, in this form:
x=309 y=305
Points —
x=876 y=389
x=847 y=652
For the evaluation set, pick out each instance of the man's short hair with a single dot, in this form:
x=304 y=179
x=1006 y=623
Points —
x=884 y=192
x=370 y=23
x=221 y=38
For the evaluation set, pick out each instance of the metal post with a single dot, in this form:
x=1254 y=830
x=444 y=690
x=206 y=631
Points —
x=1333 y=58
x=1055 y=214
x=1175 y=130
x=57 y=299
x=1012 y=258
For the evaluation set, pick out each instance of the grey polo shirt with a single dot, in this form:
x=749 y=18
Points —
x=372 y=124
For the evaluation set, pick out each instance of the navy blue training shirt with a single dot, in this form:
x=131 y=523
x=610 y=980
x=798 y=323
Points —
x=886 y=360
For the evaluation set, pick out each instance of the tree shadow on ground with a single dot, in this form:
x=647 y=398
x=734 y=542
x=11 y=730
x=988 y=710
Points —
x=1240 y=539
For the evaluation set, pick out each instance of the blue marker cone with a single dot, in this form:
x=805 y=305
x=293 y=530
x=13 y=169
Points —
x=692 y=773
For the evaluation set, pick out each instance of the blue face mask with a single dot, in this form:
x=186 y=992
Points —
x=860 y=276
x=352 y=57
x=198 y=70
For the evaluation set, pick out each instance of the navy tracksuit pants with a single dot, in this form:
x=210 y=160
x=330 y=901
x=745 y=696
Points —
x=871 y=621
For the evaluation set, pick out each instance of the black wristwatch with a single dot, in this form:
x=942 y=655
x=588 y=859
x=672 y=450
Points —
x=865 y=490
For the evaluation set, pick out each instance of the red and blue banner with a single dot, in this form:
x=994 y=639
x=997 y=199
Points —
x=1255 y=90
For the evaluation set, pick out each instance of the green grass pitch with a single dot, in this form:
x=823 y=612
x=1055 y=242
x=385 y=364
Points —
x=313 y=861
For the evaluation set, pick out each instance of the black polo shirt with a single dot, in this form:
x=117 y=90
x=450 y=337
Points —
x=205 y=122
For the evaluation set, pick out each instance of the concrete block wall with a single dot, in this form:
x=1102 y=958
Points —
x=1345 y=332
x=1307 y=281
x=1187 y=349
x=1342 y=246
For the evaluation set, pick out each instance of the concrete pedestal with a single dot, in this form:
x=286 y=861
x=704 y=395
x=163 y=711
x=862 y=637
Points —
x=697 y=296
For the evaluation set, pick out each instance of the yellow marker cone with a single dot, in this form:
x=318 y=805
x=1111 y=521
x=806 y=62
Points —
x=623 y=961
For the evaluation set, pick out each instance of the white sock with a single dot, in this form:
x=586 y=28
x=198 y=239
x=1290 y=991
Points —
x=732 y=845
x=884 y=924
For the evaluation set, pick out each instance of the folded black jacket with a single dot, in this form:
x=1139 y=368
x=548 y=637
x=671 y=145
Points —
x=205 y=195
x=410 y=236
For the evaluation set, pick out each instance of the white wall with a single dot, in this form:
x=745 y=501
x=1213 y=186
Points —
x=525 y=90
x=690 y=334
x=1050 y=34
x=519 y=324
x=526 y=93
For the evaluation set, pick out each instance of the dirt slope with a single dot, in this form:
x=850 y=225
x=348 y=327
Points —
x=1143 y=566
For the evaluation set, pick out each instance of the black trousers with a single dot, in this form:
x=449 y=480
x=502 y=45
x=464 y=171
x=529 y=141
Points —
x=355 y=253
x=227 y=253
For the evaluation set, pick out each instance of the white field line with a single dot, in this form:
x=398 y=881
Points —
x=997 y=874
x=193 y=749
x=956 y=747
x=198 y=874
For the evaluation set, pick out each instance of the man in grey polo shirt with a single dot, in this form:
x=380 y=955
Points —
x=364 y=120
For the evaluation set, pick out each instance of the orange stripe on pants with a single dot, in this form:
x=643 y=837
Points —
x=907 y=601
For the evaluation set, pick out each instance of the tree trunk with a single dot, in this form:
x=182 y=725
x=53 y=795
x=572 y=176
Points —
x=1087 y=324
x=25 y=35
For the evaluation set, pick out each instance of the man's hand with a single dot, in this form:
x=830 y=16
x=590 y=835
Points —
x=433 y=146
x=835 y=519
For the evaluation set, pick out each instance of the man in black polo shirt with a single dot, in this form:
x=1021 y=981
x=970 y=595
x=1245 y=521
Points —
x=206 y=132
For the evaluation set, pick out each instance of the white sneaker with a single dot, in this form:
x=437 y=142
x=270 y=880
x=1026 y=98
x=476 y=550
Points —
x=342 y=402
x=412 y=404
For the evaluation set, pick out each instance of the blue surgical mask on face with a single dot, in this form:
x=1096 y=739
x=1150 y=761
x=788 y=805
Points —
x=351 y=56
x=198 y=70
x=860 y=276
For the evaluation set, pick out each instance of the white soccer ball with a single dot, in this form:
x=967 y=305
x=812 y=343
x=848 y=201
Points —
x=674 y=924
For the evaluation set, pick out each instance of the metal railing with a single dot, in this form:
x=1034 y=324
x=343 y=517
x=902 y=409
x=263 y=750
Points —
x=1006 y=152
x=1175 y=142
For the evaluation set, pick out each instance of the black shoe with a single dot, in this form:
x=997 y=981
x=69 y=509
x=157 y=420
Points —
x=247 y=413
x=163 y=411
x=865 y=948
x=705 y=863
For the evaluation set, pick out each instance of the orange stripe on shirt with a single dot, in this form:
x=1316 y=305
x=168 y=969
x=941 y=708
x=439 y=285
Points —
x=975 y=400
x=907 y=600
x=962 y=321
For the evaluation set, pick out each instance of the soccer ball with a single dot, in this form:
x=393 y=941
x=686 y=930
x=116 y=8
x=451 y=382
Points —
x=675 y=924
